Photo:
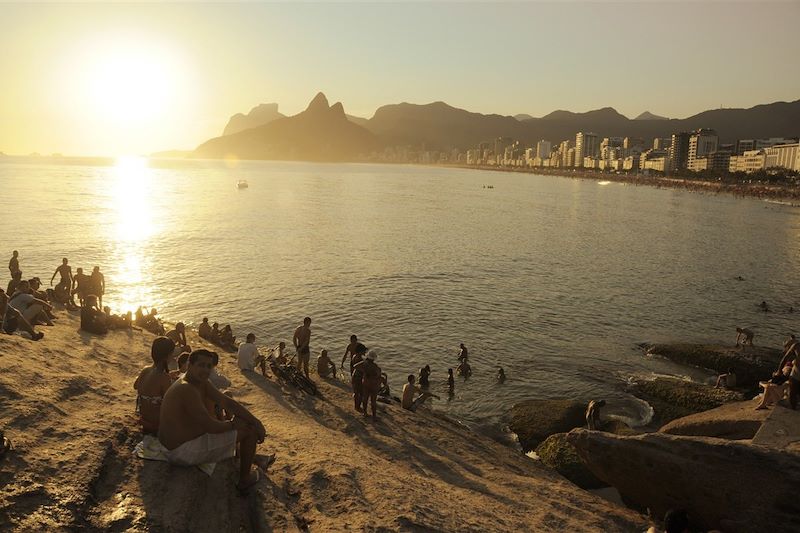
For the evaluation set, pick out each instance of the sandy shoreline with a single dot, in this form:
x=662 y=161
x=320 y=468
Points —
x=755 y=190
x=67 y=402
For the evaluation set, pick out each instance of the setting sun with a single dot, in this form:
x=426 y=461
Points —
x=131 y=85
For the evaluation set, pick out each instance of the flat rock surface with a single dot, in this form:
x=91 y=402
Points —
x=781 y=429
x=726 y=485
x=751 y=364
x=67 y=402
x=734 y=421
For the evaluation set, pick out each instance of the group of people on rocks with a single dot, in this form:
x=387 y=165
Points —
x=194 y=421
x=223 y=338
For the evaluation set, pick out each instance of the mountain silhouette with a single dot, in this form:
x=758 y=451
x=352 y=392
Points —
x=647 y=115
x=324 y=132
x=320 y=133
x=258 y=116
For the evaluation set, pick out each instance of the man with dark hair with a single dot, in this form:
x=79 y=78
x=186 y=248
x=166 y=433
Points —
x=325 y=367
x=65 y=271
x=80 y=286
x=192 y=436
x=350 y=351
x=408 y=401
x=13 y=264
x=371 y=381
x=248 y=356
x=98 y=284
x=301 y=341
x=16 y=279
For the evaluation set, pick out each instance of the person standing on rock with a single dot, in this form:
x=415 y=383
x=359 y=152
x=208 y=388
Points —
x=744 y=337
x=13 y=264
x=301 y=341
x=593 y=414
x=350 y=351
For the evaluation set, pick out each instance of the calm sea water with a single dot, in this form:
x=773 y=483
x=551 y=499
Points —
x=555 y=279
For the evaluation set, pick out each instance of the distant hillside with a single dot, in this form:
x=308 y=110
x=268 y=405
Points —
x=258 y=116
x=320 y=133
x=523 y=116
x=647 y=115
x=440 y=126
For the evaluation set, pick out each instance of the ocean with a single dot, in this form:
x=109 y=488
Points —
x=555 y=279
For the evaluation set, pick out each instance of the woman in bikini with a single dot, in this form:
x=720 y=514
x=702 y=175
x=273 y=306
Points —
x=152 y=384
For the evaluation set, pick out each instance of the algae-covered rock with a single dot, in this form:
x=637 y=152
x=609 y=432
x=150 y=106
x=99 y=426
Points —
x=675 y=398
x=535 y=420
x=558 y=454
x=751 y=364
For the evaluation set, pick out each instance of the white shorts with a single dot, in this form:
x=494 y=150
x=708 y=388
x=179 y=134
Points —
x=208 y=448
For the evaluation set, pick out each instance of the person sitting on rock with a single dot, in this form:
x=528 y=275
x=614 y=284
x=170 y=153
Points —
x=33 y=309
x=191 y=436
x=726 y=380
x=204 y=329
x=11 y=319
x=409 y=389
x=248 y=357
x=178 y=336
x=215 y=333
x=226 y=338
x=93 y=319
x=775 y=389
x=152 y=384
x=325 y=367
x=744 y=337
x=593 y=414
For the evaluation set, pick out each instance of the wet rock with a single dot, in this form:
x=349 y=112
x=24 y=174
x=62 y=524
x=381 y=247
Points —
x=726 y=485
x=535 y=420
x=675 y=398
x=732 y=421
x=751 y=364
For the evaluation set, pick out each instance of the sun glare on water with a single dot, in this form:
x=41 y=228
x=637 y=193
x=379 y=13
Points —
x=131 y=193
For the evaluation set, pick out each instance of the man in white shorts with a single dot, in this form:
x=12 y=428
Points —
x=192 y=436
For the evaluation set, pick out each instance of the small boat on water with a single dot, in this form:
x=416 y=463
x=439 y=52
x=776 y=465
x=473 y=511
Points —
x=242 y=184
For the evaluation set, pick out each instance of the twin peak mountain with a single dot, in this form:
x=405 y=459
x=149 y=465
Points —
x=324 y=132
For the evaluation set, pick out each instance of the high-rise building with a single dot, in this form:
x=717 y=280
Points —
x=611 y=147
x=662 y=143
x=563 y=148
x=702 y=143
x=633 y=143
x=570 y=159
x=679 y=151
x=586 y=145
x=543 y=149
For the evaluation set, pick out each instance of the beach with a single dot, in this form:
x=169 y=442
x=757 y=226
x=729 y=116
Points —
x=68 y=405
x=775 y=192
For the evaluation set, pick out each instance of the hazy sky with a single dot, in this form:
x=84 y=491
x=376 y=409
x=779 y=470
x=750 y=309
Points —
x=123 y=79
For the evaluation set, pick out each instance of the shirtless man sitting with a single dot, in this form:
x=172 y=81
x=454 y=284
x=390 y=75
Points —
x=204 y=329
x=152 y=384
x=408 y=401
x=325 y=367
x=301 y=340
x=11 y=319
x=178 y=336
x=192 y=436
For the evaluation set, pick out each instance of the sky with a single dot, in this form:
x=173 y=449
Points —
x=121 y=79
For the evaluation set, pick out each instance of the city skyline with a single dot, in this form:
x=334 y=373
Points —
x=117 y=79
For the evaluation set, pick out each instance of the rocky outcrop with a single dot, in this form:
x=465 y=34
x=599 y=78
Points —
x=724 y=485
x=558 y=454
x=535 y=420
x=751 y=364
x=675 y=398
x=733 y=421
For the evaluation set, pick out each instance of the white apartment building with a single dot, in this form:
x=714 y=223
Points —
x=701 y=143
x=586 y=145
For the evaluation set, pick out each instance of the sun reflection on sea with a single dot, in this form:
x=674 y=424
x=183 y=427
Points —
x=131 y=195
x=133 y=225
